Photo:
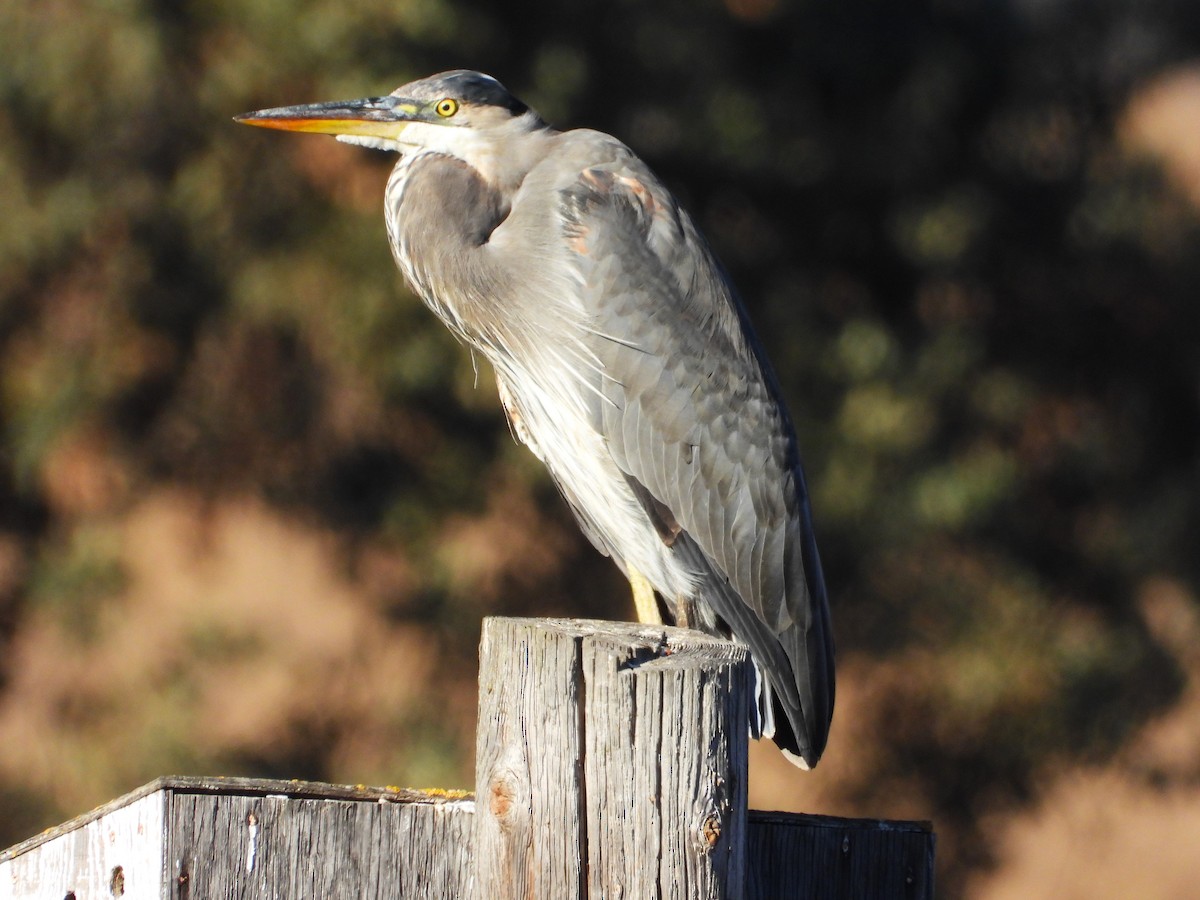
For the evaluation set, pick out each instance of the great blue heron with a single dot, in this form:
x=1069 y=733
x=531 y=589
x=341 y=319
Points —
x=624 y=360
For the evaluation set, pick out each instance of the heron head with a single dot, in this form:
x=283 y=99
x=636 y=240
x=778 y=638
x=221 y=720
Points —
x=464 y=114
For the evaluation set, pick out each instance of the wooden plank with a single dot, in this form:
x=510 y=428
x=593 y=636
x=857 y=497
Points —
x=118 y=850
x=805 y=857
x=205 y=837
x=529 y=824
x=279 y=846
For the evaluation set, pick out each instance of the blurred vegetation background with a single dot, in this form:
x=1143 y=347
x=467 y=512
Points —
x=254 y=500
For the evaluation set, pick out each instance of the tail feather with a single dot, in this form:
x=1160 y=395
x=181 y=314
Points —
x=796 y=692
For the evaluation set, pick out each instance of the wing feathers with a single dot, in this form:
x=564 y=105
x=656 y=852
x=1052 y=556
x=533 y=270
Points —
x=695 y=423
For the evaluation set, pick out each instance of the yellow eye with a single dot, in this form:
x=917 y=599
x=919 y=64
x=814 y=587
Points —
x=446 y=108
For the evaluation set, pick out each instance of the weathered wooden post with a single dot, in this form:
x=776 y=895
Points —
x=618 y=770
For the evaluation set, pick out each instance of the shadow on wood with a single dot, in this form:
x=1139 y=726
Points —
x=611 y=762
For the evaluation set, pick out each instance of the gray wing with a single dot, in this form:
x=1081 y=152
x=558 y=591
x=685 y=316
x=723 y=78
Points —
x=693 y=417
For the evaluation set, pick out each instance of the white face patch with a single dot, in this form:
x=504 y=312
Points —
x=375 y=143
x=463 y=143
x=473 y=147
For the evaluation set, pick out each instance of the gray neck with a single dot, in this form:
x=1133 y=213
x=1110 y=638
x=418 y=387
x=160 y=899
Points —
x=440 y=212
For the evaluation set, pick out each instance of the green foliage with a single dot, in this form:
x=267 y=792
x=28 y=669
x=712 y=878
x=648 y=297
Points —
x=74 y=581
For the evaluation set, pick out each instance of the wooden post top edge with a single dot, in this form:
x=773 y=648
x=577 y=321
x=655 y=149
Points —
x=670 y=635
x=814 y=820
x=295 y=789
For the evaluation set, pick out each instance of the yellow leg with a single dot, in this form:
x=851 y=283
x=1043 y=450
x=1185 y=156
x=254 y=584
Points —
x=644 y=600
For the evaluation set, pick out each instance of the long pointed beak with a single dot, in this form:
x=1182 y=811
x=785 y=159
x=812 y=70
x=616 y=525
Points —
x=383 y=117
